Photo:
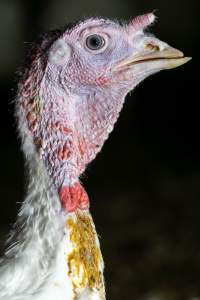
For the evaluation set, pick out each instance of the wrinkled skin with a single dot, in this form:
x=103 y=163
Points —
x=71 y=95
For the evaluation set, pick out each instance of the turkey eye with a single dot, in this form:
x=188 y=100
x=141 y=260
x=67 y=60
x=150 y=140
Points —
x=95 y=42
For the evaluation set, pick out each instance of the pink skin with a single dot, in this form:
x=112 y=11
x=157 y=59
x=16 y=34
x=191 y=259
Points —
x=71 y=102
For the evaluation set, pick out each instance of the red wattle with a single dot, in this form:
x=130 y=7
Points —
x=73 y=197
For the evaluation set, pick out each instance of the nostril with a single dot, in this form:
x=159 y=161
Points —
x=152 y=47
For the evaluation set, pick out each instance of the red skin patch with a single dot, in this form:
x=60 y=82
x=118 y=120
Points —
x=73 y=197
x=32 y=121
x=101 y=80
x=61 y=127
x=64 y=153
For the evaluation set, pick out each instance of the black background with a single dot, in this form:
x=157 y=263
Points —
x=145 y=184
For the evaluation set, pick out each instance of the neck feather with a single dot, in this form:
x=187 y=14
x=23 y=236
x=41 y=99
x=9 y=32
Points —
x=40 y=219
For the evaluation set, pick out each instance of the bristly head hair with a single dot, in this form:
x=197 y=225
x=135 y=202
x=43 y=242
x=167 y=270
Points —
x=39 y=48
x=36 y=60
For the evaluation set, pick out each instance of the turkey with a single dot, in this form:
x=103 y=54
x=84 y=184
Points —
x=70 y=94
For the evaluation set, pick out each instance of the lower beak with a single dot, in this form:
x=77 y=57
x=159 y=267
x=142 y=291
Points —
x=167 y=58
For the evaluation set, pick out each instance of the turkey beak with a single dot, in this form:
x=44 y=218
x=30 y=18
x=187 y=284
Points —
x=158 y=59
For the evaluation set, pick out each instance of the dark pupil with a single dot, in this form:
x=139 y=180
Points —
x=94 y=42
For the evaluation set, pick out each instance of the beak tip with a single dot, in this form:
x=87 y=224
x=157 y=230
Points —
x=174 y=63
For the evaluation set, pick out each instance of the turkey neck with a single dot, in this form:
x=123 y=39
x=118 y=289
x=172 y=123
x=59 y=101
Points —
x=40 y=223
x=50 y=242
x=48 y=238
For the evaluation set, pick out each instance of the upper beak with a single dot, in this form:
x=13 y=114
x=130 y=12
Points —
x=167 y=58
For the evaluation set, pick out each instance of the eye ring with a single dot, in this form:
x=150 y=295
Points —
x=95 y=42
